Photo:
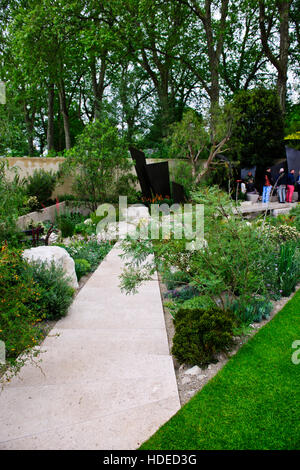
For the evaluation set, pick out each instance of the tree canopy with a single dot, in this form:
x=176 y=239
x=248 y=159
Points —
x=139 y=63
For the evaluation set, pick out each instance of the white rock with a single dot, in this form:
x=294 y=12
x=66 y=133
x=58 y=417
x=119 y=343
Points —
x=186 y=380
x=116 y=230
x=48 y=254
x=193 y=371
x=53 y=238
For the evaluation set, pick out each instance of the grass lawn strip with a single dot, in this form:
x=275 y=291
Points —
x=252 y=403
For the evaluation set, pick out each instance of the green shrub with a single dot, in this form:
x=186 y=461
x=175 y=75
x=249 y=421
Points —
x=282 y=233
x=251 y=310
x=201 y=302
x=173 y=280
x=201 y=334
x=66 y=226
x=82 y=267
x=41 y=184
x=288 y=268
x=20 y=306
x=56 y=295
x=68 y=222
x=12 y=198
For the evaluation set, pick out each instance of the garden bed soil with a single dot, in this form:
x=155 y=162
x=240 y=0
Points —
x=191 y=379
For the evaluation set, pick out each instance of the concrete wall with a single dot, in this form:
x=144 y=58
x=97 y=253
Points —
x=27 y=165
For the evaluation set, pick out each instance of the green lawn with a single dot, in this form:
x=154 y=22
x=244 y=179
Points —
x=252 y=403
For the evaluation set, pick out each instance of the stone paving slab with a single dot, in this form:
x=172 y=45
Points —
x=106 y=380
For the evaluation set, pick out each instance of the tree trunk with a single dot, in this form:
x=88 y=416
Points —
x=98 y=85
x=65 y=114
x=281 y=64
x=50 y=127
x=284 y=8
x=29 y=121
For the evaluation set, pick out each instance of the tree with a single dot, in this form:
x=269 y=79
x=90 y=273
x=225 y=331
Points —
x=190 y=138
x=99 y=162
x=258 y=132
x=278 y=60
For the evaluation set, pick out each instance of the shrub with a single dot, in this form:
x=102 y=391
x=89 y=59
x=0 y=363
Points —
x=175 y=279
x=288 y=268
x=201 y=334
x=67 y=223
x=251 y=310
x=82 y=267
x=181 y=295
x=98 y=160
x=296 y=213
x=20 y=306
x=41 y=184
x=12 y=197
x=56 y=295
x=282 y=233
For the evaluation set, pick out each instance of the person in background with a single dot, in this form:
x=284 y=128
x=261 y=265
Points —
x=250 y=187
x=268 y=183
x=249 y=177
x=297 y=187
x=282 y=182
x=290 y=186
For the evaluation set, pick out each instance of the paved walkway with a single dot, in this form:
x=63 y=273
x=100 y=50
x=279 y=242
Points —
x=108 y=380
x=247 y=207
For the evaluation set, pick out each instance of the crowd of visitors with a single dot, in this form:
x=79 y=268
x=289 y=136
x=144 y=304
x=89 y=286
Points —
x=284 y=185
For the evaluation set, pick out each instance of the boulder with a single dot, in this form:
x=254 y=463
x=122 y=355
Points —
x=116 y=230
x=56 y=254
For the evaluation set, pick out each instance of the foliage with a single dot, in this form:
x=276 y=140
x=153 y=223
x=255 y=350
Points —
x=201 y=334
x=67 y=223
x=11 y=202
x=295 y=212
x=20 y=307
x=189 y=138
x=182 y=294
x=233 y=260
x=41 y=185
x=282 y=233
x=254 y=309
x=288 y=268
x=175 y=279
x=56 y=295
x=182 y=174
x=97 y=161
x=82 y=267
x=257 y=134
x=92 y=251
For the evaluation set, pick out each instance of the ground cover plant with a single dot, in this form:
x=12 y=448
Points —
x=87 y=254
x=252 y=403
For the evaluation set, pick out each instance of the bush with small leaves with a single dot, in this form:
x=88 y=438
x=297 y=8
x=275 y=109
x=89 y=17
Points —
x=201 y=334
x=82 y=267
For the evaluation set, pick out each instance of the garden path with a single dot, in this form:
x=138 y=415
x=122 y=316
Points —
x=107 y=379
